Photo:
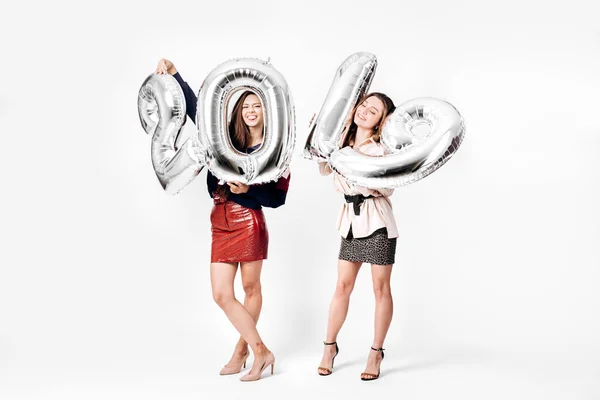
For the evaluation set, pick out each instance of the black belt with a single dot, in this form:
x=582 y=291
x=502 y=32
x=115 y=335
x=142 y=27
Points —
x=356 y=200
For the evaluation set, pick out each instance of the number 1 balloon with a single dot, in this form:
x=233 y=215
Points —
x=352 y=80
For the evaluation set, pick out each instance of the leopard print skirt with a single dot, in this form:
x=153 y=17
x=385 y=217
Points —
x=376 y=248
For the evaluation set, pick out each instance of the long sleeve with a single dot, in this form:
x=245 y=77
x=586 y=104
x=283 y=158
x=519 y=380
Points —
x=211 y=183
x=385 y=192
x=271 y=194
x=190 y=109
x=190 y=97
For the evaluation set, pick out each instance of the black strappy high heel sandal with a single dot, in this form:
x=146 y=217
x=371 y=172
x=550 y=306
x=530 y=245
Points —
x=365 y=376
x=329 y=370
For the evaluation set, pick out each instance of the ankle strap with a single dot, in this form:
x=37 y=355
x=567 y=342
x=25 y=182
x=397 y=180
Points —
x=379 y=349
x=329 y=344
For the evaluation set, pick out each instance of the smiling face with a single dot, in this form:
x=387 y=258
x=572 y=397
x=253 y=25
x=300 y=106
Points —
x=252 y=111
x=369 y=113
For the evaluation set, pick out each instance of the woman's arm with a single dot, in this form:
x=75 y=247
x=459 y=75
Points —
x=165 y=66
x=385 y=192
x=211 y=183
x=190 y=97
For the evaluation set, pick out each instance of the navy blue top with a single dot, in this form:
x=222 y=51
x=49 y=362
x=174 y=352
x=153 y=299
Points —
x=270 y=194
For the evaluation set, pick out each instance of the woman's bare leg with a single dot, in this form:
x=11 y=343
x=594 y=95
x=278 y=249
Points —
x=384 y=309
x=252 y=303
x=222 y=276
x=338 y=309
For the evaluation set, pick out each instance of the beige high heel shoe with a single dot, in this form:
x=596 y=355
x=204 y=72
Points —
x=232 y=370
x=270 y=360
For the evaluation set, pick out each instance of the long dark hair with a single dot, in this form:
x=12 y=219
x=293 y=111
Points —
x=239 y=133
x=388 y=108
x=238 y=130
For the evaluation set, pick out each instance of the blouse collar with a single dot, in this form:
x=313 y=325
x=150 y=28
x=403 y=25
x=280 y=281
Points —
x=253 y=148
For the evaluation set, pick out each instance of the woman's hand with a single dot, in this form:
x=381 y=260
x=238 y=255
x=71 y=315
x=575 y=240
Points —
x=238 y=187
x=195 y=150
x=165 y=66
x=324 y=168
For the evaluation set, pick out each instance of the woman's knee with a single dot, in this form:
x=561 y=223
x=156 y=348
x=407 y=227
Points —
x=382 y=289
x=252 y=288
x=344 y=288
x=222 y=297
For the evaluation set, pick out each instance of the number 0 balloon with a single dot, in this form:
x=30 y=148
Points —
x=270 y=161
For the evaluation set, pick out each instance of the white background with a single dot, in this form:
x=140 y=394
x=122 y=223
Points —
x=104 y=279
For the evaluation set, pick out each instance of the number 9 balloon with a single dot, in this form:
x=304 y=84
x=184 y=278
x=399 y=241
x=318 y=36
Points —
x=422 y=135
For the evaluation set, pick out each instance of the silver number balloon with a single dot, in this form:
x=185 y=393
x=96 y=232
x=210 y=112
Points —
x=421 y=134
x=352 y=80
x=161 y=108
x=270 y=161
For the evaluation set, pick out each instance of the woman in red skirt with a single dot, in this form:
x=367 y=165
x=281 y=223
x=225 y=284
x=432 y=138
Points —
x=239 y=231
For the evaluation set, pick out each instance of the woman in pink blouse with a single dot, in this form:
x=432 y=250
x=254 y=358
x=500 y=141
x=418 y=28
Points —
x=368 y=229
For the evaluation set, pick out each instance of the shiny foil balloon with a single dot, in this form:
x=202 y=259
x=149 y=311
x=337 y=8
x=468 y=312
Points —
x=352 y=80
x=421 y=135
x=228 y=164
x=161 y=107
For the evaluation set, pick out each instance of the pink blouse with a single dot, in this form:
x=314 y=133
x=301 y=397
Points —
x=375 y=212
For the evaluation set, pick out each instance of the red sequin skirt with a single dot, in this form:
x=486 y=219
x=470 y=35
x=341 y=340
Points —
x=238 y=233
